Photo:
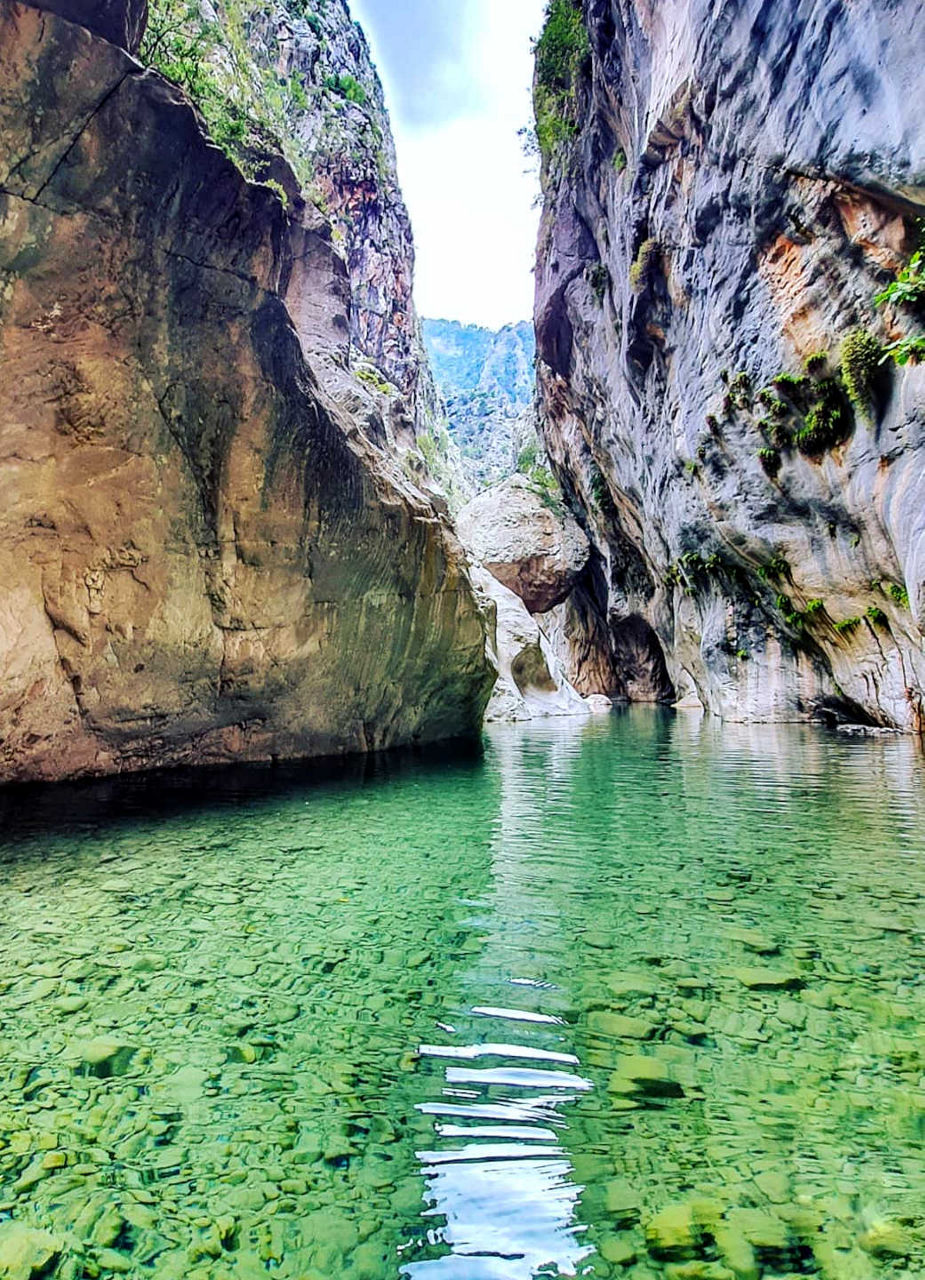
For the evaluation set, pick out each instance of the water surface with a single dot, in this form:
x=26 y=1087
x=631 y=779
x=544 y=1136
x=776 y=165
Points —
x=641 y=996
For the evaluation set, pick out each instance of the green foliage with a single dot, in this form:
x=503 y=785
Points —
x=898 y=594
x=643 y=264
x=877 y=616
x=847 y=626
x=791 y=383
x=770 y=461
x=799 y=619
x=546 y=487
x=908 y=289
x=598 y=278
x=560 y=52
x=828 y=423
x=527 y=458
x=346 y=86
x=861 y=355
x=600 y=490
x=776 y=568
x=619 y=160
x=247 y=108
x=816 y=362
x=909 y=350
x=428 y=447
x=374 y=379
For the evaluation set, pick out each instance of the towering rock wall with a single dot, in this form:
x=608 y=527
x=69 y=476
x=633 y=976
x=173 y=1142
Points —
x=727 y=188
x=203 y=557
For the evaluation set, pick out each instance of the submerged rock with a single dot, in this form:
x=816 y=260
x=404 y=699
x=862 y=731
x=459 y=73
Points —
x=25 y=1252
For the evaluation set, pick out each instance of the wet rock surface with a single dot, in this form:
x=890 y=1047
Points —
x=739 y=188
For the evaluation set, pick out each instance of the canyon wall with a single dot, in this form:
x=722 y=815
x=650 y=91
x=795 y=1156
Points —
x=727 y=188
x=203 y=555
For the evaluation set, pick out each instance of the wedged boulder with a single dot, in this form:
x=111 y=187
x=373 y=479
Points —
x=534 y=550
x=531 y=682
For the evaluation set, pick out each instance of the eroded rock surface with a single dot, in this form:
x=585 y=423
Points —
x=202 y=558
x=533 y=548
x=741 y=184
x=531 y=680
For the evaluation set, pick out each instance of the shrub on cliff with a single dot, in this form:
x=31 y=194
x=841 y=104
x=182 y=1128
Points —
x=560 y=52
x=861 y=355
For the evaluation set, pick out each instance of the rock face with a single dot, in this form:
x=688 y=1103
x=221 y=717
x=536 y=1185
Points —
x=534 y=550
x=485 y=378
x=335 y=128
x=203 y=558
x=733 y=188
x=531 y=681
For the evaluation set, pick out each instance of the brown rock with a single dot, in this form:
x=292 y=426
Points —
x=202 y=559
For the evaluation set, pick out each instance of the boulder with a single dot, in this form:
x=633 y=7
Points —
x=534 y=549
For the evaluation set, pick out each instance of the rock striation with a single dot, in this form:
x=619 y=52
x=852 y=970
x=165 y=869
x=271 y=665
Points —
x=727 y=189
x=203 y=557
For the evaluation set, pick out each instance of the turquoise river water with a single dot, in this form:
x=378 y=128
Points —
x=641 y=996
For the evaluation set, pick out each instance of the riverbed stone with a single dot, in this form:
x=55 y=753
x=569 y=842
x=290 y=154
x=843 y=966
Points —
x=26 y=1252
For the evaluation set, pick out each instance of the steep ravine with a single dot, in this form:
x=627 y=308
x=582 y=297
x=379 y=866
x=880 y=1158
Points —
x=204 y=556
x=727 y=189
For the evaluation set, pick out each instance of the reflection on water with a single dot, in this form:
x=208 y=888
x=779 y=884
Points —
x=639 y=997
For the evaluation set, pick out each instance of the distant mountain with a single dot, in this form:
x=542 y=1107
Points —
x=486 y=379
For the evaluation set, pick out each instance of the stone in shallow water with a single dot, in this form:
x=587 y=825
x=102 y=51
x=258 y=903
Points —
x=887 y=1240
x=618 y=1252
x=769 y=979
x=618 y=1025
x=25 y=1252
x=622 y=1202
x=677 y=1231
x=649 y=1076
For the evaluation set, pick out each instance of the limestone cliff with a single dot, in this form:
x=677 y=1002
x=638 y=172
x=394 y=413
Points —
x=727 y=189
x=202 y=556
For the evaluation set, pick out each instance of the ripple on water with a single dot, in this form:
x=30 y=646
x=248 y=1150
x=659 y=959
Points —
x=638 y=997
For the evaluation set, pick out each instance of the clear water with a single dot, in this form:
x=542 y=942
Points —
x=638 y=996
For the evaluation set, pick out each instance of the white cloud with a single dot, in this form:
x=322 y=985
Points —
x=471 y=201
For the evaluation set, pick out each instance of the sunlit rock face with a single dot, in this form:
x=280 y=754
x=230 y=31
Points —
x=202 y=558
x=531 y=545
x=340 y=126
x=743 y=181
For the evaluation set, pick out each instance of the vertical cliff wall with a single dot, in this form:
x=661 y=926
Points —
x=202 y=556
x=727 y=189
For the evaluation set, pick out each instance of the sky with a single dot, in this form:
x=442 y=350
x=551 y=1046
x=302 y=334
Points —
x=457 y=77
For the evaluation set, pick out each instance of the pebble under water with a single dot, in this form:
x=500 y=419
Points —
x=640 y=996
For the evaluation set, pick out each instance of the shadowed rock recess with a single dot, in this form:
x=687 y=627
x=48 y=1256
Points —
x=202 y=557
x=727 y=190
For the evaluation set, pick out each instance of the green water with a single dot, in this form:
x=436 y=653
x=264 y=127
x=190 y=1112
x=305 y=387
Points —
x=640 y=996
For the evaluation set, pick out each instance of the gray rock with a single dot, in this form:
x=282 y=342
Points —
x=737 y=192
x=535 y=550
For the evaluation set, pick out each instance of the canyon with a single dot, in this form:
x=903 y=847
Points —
x=228 y=479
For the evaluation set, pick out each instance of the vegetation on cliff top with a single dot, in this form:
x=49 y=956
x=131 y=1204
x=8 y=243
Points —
x=560 y=52
x=246 y=107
